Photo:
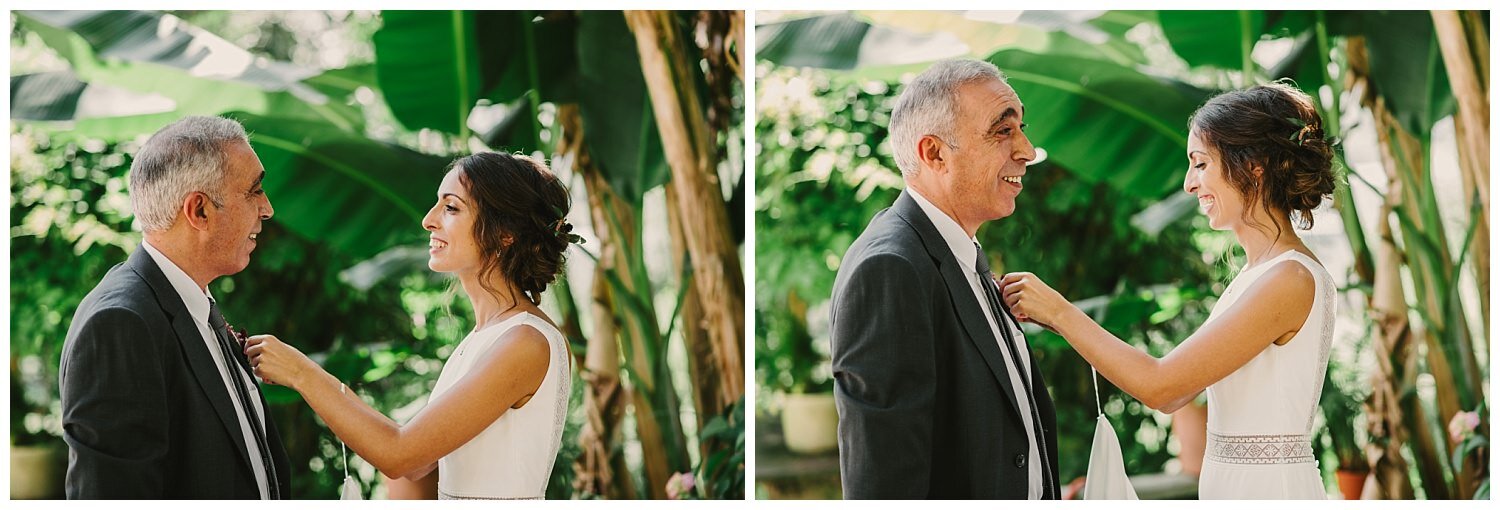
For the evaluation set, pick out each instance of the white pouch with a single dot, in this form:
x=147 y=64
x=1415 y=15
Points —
x=1106 y=477
x=350 y=489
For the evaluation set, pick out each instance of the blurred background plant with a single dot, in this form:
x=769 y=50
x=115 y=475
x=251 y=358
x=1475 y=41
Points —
x=1108 y=95
x=355 y=114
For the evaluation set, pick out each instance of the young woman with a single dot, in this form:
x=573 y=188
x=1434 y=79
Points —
x=1258 y=163
x=494 y=421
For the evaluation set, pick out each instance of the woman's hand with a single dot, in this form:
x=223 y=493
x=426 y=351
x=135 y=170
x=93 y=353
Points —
x=276 y=362
x=1031 y=300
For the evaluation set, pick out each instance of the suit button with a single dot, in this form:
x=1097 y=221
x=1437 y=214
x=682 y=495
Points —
x=1021 y=460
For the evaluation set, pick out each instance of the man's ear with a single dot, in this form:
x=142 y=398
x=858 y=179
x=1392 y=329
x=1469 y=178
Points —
x=930 y=152
x=196 y=209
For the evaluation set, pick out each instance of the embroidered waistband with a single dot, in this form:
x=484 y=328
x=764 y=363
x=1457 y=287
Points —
x=444 y=495
x=1259 y=449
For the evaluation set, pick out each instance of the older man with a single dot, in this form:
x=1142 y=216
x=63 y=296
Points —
x=938 y=395
x=157 y=398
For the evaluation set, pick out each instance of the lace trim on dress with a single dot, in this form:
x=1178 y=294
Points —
x=1260 y=449
x=560 y=369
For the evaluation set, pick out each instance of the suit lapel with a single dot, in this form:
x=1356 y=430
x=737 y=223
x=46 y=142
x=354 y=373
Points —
x=970 y=315
x=200 y=362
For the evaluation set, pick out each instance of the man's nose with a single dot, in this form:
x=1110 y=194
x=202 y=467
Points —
x=1025 y=151
x=266 y=210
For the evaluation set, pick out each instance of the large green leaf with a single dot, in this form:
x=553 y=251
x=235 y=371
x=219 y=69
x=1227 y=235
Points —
x=495 y=56
x=1212 y=38
x=1103 y=121
x=59 y=104
x=1406 y=67
x=616 y=108
x=60 y=96
x=843 y=41
x=512 y=43
x=886 y=44
x=427 y=63
x=358 y=195
x=153 y=53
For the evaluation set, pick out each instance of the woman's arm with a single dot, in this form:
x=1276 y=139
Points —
x=510 y=371
x=423 y=485
x=1274 y=307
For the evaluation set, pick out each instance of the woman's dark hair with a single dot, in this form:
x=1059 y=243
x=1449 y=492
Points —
x=517 y=200
x=1276 y=128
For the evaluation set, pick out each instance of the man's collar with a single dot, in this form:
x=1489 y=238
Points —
x=194 y=298
x=953 y=234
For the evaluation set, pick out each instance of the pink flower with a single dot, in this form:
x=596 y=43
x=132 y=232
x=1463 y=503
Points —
x=1462 y=425
x=681 y=485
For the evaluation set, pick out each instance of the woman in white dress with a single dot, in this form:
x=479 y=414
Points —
x=493 y=424
x=1258 y=164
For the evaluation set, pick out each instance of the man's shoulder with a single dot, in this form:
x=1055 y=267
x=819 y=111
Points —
x=888 y=236
x=121 y=293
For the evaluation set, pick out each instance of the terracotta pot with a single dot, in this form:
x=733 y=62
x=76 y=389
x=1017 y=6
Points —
x=36 y=472
x=810 y=422
x=1352 y=483
x=1190 y=427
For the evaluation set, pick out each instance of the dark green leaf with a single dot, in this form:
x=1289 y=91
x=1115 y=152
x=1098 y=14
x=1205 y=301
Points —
x=616 y=109
x=427 y=64
x=1212 y=38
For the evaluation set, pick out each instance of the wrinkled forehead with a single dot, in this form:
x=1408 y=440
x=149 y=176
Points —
x=991 y=100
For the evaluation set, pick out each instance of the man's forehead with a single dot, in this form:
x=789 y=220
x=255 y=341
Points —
x=997 y=96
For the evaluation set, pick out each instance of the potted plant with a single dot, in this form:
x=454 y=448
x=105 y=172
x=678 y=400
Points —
x=38 y=457
x=1341 y=412
x=790 y=366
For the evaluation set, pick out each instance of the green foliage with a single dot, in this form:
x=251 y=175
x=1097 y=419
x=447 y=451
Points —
x=723 y=472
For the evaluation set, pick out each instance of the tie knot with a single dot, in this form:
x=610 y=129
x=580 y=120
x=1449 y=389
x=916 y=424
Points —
x=981 y=263
x=215 y=319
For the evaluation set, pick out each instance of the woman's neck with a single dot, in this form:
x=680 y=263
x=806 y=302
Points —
x=1260 y=238
x=489 y=305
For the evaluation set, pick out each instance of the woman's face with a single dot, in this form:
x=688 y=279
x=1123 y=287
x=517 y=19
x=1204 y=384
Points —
x=452 y=247
x=1217 y=198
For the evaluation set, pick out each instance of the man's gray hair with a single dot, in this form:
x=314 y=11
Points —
x=929 y=106
x=186 y=156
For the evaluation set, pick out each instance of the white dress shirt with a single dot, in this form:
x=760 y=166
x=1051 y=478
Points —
x=196 y=300
x=963 y=251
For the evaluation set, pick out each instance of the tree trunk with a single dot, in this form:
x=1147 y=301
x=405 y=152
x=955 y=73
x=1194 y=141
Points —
x=1472 y=124
x=702 y=367
x=1394 y=367
x=600 y=469
x=689 y=146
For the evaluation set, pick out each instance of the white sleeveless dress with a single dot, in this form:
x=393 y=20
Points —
x=1260 y=417
x=513 y=457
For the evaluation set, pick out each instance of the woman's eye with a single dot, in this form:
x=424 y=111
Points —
x=1200 y=166
x=450 y=208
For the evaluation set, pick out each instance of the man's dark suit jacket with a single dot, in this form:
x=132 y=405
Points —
x=146 y=414
x=926 y=408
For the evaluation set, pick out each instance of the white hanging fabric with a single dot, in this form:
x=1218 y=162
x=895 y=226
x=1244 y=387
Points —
x=1106 y=477
x=350 y=488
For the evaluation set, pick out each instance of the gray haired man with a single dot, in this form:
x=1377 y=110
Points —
x=938 y=395
x=157 y=398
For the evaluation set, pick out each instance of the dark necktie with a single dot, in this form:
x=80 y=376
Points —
x=235 y=357
x=1000 y=313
